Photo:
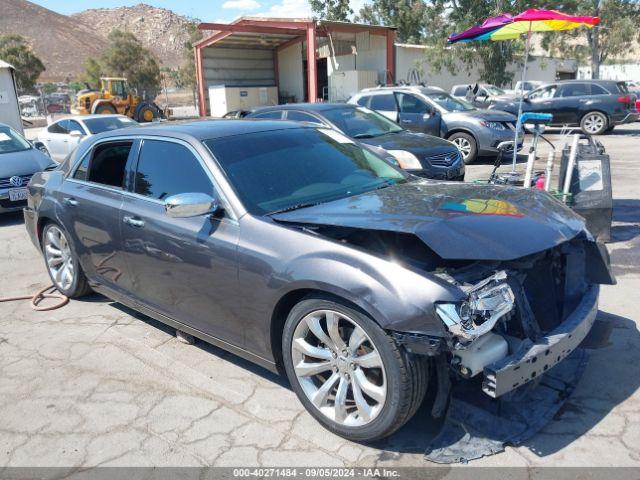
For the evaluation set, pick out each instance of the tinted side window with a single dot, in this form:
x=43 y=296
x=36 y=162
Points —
x=384 y=102
x=275 y=115
x=81 y=171
x=574 y=90
x=73 y=125
x=301 y=117
x=57 y=127
x=167 y=168
x=108 y=162
x=598 y=90
x=362 y=101
x=410 y=104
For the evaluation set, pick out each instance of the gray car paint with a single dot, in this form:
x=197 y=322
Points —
x=268 y=261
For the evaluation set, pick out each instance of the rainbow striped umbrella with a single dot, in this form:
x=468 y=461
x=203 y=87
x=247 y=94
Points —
x=507 y=27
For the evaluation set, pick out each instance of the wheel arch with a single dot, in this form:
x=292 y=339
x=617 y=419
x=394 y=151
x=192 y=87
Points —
x=100 y=102
x=463 y=130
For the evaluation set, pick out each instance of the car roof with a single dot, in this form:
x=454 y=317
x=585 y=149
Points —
x=202 y=129
x=588 y=80
x=403 y=88
x=90 y=116
x=312 y=107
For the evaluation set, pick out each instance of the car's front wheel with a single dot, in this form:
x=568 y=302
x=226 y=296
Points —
x=594 y=123
x=348 y=373
x=62 y=264
x=467 y=146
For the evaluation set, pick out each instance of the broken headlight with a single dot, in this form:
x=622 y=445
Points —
x=487 y=302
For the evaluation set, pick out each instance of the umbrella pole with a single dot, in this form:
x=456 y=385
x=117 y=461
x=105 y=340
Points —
x=524 y=76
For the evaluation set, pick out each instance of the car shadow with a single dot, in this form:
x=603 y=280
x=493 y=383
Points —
x=626 y=219
x=507 y=159
x=10 y=219
x=585 y=408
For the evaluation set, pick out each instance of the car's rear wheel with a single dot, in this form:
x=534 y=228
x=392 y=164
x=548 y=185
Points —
x=62 y=264
x=594 y=123
x=467 y=146
x=348 y=373
x=105 y=109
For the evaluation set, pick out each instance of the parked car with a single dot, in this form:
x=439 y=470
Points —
x=236 y=114
x=596 y=106
x=62 y=136
x=19 y=160
x=427 y=110
x=419 y=154
x=300 y=250
x=482 y=95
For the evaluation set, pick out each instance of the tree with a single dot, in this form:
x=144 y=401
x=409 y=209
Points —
x=618 y=29
x=408 y=16
x=92 y=73
x=335 y=10
x=185 y=76
x=126 y=57
x=15 y=50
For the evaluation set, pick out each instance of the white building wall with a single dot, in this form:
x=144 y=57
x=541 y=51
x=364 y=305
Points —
x=290 y=72
x=410 y=57
x=627 y=71
x=9 y=108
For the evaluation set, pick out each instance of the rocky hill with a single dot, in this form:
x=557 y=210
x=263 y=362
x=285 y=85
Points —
x=64 y=43
x=159 y=29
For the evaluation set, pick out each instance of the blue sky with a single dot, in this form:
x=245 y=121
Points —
x=207 y=10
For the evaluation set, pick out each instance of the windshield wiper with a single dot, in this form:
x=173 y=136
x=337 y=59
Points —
x=366 y=135
x=290 y=208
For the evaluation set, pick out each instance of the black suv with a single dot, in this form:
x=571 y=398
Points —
x=596 y=106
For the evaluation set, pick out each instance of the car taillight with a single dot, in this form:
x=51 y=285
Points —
x=624 y=99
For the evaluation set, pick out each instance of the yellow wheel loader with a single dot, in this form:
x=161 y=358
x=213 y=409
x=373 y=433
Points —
x=115 y=96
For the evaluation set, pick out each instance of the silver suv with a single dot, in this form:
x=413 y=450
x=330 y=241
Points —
x=430 y=110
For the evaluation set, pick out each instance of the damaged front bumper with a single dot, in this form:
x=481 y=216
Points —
x=533 y=359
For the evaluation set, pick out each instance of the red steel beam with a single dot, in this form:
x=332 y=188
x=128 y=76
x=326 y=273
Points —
x=239 y=28
x=202 y=105
x=312 y=74
x=288 y=43
x=216 y=37
x=391 y=37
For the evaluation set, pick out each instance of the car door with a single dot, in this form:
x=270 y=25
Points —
x=90 y=198
x=385 y=104
x=183 y=268
x=567 y=102
x=482 y=98
x=542 y=101
x=417 y=115
x=56 y=140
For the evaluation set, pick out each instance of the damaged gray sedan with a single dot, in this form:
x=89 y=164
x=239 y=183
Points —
x=296 y=248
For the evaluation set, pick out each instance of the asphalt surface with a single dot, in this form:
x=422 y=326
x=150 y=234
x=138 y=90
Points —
x=95 y=383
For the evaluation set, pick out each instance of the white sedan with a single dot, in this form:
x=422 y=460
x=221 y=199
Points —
x=61 y=137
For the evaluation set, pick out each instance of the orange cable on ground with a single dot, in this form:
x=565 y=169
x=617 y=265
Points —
x=38 y=297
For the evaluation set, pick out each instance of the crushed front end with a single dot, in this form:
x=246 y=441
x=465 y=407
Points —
x=522 y=317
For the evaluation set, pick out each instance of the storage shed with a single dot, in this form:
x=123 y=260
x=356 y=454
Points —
x=305 y=59
x=9 y=108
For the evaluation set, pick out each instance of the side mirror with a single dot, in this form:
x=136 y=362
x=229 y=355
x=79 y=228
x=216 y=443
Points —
x=76 y=133
x=185 y=205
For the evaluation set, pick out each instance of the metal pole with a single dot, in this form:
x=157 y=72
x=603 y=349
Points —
x=549 y=170
x=570 y=164
x=524 y=76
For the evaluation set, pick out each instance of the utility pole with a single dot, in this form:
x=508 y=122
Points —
x=595 y=43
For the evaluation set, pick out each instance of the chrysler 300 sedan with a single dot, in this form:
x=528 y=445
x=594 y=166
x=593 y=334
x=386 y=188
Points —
x=301 y=250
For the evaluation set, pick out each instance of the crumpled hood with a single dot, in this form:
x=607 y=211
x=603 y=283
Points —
x=489 y=115
x=457 y=221
x=412 y=142
x=22 y=163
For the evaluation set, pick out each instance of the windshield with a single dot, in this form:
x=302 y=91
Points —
x=99 y=125
x=450 y=104
x=11 y=141
x=493 y=90
x=287 y=169
x=360 y=122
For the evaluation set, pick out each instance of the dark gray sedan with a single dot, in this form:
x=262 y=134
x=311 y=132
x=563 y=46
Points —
x=19 y=160
x=298 y=249
x=420 y=154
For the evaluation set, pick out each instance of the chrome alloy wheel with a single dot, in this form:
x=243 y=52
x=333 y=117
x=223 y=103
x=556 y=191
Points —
x=339 y=368
x=57 y=254
x=594 y=123
x=463 y=145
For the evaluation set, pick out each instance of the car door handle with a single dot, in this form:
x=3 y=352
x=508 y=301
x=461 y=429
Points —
x=406 y=121
x=133 y=221
x=72 y=202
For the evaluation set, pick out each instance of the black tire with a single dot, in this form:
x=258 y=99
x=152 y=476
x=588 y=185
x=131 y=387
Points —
x=594 y=123
x=462 y=140
x=79 y=286
x=610 y=128
x=407 y=375
x=105 y=109
x=147 y=113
